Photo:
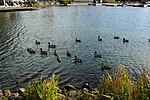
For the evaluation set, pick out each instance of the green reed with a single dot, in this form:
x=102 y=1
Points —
x=120 y=86
x=43 y=90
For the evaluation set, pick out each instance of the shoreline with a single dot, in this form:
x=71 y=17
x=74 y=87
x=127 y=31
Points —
x=41 y=5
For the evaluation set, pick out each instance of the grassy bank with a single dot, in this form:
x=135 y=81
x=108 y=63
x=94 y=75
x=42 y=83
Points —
x=118 y=86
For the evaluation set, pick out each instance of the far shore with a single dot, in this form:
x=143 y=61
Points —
x=48 y=4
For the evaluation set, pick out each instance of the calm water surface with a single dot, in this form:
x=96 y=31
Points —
x=60 y=26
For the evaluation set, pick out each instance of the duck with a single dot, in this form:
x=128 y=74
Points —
x=55 y=53
x=51 y=46
x=68 y=54
x=30 y=50
x=105 y=67
x=37 y=42
x=87 y=86
x=149 y=40
x=97 y=55
x=99 y=39
x=43 y=52
x=58 y=59
x=77 y=40
x=77 y=60
x=116 y=37
x=125 y=40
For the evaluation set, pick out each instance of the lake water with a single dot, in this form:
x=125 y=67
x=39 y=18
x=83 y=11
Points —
x=60 y=26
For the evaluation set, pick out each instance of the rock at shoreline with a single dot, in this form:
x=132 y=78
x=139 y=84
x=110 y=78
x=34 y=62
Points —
x=1 y=93
x=7 y=92
x=69 y=87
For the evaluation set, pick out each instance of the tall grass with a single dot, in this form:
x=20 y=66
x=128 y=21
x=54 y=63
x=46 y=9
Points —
x=117 y=86
x=120 y=86
x=43 y=90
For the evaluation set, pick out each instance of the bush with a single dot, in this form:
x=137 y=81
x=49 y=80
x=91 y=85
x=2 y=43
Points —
x=65 y=1
x=43 y=90
x=120 y=85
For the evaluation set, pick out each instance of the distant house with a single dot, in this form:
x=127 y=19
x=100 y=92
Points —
x=109 y=1
x=92 y=0
x=82 y=0
x=10 y=1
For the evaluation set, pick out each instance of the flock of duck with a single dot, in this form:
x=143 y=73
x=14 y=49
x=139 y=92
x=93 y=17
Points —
x=68 y=54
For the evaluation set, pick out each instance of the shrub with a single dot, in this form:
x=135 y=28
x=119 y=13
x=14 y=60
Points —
x=43 y=90
x=120 y=85
x=65 y=1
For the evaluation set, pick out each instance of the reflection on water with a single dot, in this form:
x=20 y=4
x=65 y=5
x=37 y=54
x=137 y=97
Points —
x=60 y=26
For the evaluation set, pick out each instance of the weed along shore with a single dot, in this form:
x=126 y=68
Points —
x=118 y=86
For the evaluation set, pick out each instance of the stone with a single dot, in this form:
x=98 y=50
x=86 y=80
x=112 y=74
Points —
x=72 y=93
x=7 y=92
x=61 y=96
x=95 y=92
x=1 y=98
x=92 y=95
x=16 y=98
x=71 y=98
x=85 y=90
x=22 y=90
x=1 y=93
x=15 y=94
x=69 y=87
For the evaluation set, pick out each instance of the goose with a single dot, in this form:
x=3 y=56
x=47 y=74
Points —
x=51 y=46
x=105 y=67
x=149 y=40
x=37 y=42
x=77 y=60
x=99 y=39
x=87 y=86
x=43 y=52
x=97 y=55
x=55 y=53
x=68 y=54
x=116 y=37
x=30 y=50
x=58 y=59
x=77 y=40
x=125 y=40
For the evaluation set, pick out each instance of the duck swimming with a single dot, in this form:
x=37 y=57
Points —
x=125 y=40
x=77 y=60
x=116 y=37
x=77 y=40
x=51 y=46
x=58 y=59
x=43 y=52
x=37 y=42
x=68 y=54
x=97 y=55
x=99 y=39
x=55 y=53
x=30 y=50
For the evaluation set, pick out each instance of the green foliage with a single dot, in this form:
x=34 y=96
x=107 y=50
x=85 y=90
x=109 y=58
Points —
x=43 y=90
x=118 y=86
x=121 y=86
x=65 y=1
